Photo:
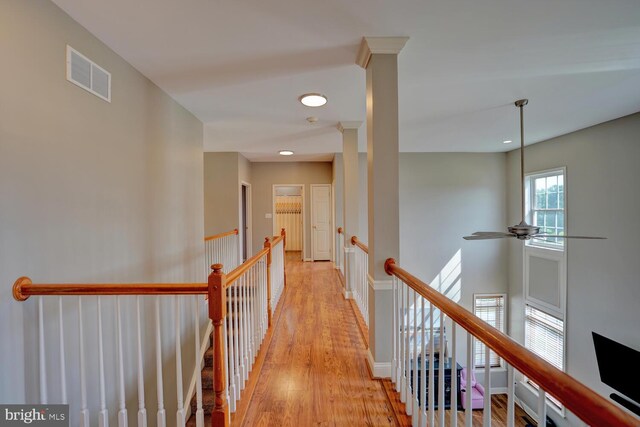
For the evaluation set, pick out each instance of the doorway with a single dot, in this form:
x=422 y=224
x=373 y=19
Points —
x=321 y=230
x=289 y=213
x=245 y=221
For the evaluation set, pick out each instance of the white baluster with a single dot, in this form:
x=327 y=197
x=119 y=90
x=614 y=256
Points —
x=398 y=334
x=431 y=391
x=454 y=377
x=122 y=408
x=229 y=333
x=394 y=329
x=180 y=415
x=103 y=416
x=403 y=347
x=63 y=370
x=511 y=413
x=142 y=411
x=414 y=367
x=468 y=416
x=542 y=407
x=245 y=322
x=423 y=368
x=42 y=354
x=161 y=417
x=84 y=410
x=442 y=361
x=199 y=411
x=486 y=421
x=405 y=372
x=236 y=336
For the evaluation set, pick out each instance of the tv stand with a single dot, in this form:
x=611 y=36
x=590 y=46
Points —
x=626 y=403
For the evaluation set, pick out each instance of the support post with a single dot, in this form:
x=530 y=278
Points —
x=283 y=233
x=217 y=314
x=267 y=244
x=379 y=57
x=351 y=198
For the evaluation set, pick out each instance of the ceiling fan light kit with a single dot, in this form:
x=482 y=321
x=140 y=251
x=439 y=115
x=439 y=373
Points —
x=521 y=231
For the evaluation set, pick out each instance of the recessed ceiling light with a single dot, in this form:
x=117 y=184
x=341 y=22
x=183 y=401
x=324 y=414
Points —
x=313 y=99
x=286 y=153
x=508 y=141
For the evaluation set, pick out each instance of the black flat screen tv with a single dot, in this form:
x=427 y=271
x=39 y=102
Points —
x=615 y=362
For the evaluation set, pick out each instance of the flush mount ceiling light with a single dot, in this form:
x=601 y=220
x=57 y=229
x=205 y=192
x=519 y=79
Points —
x=286 y=153
x=508 y=141
x=313 y=99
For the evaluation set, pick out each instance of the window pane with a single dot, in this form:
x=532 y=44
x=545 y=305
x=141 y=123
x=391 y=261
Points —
x=550 y=219
x=541 y=201
x=552 y=201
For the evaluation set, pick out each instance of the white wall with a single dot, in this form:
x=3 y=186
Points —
x=90 y=191
x=444 y=196
x=363 y=205
x=603 y=288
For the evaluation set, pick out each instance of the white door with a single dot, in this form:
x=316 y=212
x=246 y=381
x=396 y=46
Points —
x=321 y=222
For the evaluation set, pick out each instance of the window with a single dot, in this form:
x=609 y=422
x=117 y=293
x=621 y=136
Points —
x=546 y=197
x=490 y=308
x=544 y=335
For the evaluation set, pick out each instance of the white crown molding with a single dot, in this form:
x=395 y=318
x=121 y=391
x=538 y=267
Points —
x=374 y=45
x=380 y=285
x=342 y=126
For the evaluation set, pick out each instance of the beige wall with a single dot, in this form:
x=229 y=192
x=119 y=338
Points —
x=89 y=191
x=265 y=175
x=221 y=192
x=444 y=196
x=603 y=291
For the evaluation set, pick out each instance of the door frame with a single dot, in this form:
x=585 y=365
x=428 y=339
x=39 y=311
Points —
x=241 y=232
x=274 y=217
x=313 y=217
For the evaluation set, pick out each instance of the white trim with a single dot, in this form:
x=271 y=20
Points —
x=311 y=186
x=380 y=285
x=528 y=387
x=349 y=249
x=499 y=390
x=378 y=369
x=274 y=223
x=342 y=126
x=307 y=260
x=384 y=45
x=249 y=222
x=348 y=294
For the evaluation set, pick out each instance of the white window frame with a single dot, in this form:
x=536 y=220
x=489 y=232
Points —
x=501 y=364
x=530 y=202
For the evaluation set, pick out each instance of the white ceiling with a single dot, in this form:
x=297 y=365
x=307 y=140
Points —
x=240 y=66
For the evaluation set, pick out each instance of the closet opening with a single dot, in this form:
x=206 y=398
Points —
x=288 y=208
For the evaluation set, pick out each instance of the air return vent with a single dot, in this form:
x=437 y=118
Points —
x=88 y=75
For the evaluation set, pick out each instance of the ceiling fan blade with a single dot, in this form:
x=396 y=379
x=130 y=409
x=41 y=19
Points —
x=544 y=236
x=491 y=233
x=489 y=236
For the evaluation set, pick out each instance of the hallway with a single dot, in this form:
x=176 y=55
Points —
x=315 y=372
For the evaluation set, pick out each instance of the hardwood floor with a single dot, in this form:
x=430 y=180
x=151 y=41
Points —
x=315 y=371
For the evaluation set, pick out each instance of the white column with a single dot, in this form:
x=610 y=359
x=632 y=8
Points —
x=379 y=56
x=350 y=198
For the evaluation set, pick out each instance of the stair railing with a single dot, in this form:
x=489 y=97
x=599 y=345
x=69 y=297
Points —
x=360 y=274
x=419 y=313
x=237 y=304
x=223 y=248
x=241 y=304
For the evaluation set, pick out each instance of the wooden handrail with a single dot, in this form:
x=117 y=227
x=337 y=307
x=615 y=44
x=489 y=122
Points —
x=586 y=404
x=23 y=288
x=221 y=235
x=239 y=270
x=339 y=230
x=358 y=243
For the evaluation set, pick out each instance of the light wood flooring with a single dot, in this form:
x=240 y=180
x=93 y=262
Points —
x=315 y=371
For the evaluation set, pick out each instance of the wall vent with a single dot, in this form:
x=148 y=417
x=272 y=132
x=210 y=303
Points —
x=85 y=73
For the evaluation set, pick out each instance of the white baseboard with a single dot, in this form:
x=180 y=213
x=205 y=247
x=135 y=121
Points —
x=348 y=294
x=307 y=260
x=499 y=390
x=378 y=369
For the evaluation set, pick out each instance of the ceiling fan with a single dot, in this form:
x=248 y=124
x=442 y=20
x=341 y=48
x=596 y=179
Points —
x=522 y=231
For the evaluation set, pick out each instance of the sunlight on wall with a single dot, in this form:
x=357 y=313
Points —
x=449 y=280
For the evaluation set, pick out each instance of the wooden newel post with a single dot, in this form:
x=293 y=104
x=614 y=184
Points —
x=267 y=244
x=283 y=233
x=218 y=314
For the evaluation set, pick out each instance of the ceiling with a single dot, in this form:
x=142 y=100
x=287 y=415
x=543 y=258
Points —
x=241 y=65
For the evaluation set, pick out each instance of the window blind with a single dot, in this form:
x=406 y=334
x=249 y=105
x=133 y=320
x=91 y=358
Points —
x=489 y=308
